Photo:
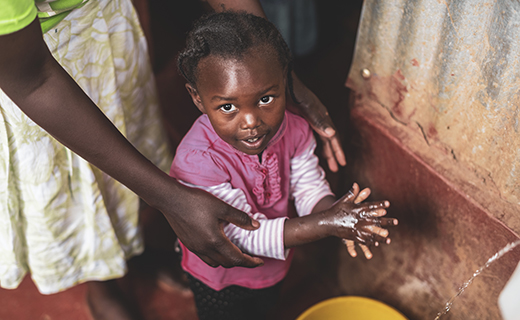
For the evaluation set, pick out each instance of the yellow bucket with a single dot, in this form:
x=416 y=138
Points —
x=351 y=308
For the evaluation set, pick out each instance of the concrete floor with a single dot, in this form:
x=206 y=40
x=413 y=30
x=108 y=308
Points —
x=308 y=283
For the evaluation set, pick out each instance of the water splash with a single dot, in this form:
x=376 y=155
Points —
x=495 y=257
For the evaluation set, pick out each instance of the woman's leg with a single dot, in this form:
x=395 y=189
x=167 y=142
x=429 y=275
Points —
x=106 y=301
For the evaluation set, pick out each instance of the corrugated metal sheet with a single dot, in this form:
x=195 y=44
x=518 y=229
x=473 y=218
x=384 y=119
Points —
x=450 y=70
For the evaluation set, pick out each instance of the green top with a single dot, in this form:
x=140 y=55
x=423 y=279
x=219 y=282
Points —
x=17 y=14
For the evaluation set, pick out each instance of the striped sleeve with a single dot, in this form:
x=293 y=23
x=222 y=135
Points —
x=308 y=183
x=266 y=241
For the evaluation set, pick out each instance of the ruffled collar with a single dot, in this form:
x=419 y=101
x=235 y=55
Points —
x=267 y=188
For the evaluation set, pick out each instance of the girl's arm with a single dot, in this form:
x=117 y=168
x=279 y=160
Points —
x=42 y=89
x=312 y=195
x=266 y=241
x=346 y=219
x=308 y=106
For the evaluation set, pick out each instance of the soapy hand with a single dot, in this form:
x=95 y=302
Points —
x=360 y=223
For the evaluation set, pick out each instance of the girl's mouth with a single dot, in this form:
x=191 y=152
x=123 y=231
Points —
x=254 y=143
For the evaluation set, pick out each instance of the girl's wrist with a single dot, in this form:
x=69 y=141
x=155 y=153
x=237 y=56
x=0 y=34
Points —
x=306 y=229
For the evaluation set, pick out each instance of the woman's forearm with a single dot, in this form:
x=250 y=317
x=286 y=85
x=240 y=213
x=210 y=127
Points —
x=42 y=89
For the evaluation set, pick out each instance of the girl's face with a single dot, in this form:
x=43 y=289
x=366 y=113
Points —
x=244 y=100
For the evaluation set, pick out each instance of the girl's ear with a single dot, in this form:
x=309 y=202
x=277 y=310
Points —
x=195 y=97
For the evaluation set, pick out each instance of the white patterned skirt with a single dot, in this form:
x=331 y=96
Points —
x=61 y=219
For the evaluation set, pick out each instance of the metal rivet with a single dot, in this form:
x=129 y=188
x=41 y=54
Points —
x=365 y=73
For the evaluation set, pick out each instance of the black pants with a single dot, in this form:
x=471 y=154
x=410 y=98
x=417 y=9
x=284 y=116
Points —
x=233 y=302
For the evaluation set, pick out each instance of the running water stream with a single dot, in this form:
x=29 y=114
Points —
x=495 y=257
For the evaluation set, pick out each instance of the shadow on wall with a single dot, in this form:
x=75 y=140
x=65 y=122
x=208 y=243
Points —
x=442 y=238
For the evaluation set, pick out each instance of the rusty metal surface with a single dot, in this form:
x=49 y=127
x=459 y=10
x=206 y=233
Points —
x=441 y=239
x=447 y=71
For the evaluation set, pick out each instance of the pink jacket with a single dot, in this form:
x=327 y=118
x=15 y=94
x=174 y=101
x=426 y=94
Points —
x=261 y=189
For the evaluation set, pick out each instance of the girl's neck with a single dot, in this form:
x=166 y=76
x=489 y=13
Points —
x=260 y=156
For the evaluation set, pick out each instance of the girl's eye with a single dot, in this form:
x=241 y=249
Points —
x=228 y=108
x=266 y=99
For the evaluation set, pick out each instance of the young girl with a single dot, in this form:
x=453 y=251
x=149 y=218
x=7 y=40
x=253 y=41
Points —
x=253 y=154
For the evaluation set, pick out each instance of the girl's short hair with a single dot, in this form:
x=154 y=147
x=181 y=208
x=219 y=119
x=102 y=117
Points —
x=230 y=34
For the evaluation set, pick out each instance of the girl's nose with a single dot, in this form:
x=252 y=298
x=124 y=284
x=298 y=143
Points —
x=250 y=121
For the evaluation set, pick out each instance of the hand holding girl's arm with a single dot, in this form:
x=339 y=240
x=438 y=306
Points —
x=311 y=108
x=42 y=89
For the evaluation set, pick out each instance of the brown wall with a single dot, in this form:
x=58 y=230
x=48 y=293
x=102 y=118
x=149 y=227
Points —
x=443 y=237
x=434 y=130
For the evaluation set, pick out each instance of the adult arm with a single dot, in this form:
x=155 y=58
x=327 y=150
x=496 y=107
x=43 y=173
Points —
x=42 y=89
x=308 y=105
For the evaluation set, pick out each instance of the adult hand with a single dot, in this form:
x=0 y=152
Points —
x=311 y=108
x=42 y=89
x=361 y=223
x=198 y=223
x=308 y=106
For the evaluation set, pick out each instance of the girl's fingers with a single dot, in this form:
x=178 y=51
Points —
x=351 y=247
x=388 y=222
x=366 y=251
x=362 y=195
x=375 y=205
x=377 y=231
x=378 y=238
x=377 y=213
x=351 y=194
